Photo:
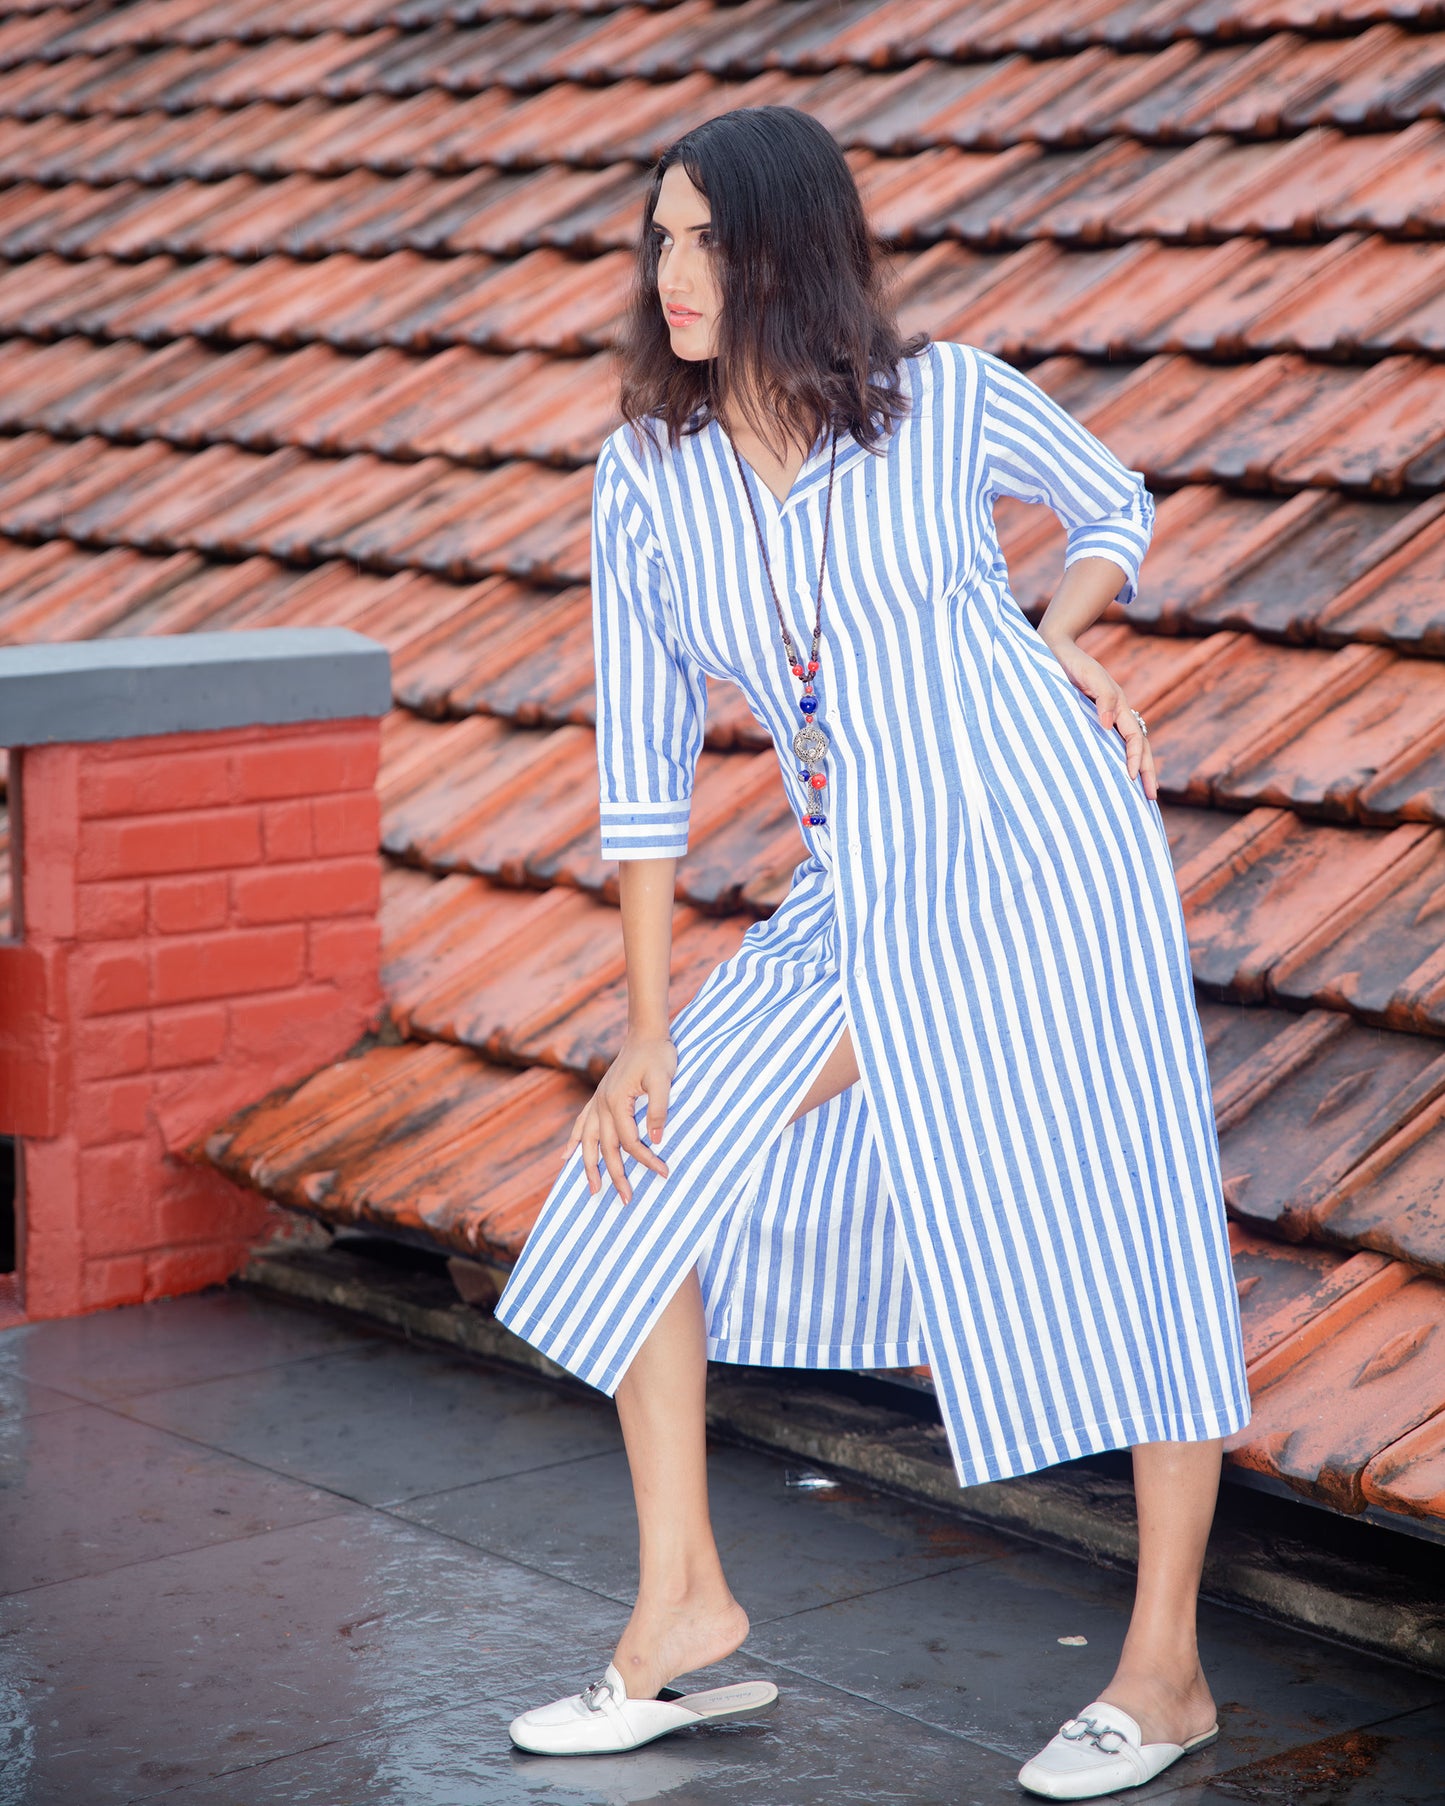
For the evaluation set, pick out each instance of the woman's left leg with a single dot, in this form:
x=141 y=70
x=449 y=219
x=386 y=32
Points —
x=1159 y=1681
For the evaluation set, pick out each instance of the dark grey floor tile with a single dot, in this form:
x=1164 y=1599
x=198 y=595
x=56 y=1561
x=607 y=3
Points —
x=785 y=1547
x=85 y=1490
x=386 y=1421
x=23 y=1397
x=169 y=1672
x=816 y=1747
x=976 y=1651
x=116 y=1354
x=1400 y=1762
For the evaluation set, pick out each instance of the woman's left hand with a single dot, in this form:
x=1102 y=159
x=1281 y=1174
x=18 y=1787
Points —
x=1088 y=675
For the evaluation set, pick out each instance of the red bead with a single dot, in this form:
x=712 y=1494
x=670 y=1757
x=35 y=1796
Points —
x=798 y=671
x=812 y=667
x=807 y=689
x=818 y=780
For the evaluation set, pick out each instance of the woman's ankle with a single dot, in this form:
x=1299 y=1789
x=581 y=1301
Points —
x=660 y=1643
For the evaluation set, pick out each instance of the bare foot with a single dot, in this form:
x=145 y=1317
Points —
x=1166 y=1710
x=661 y=1642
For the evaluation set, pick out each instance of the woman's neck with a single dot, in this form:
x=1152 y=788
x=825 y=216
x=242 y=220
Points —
x=777 y=468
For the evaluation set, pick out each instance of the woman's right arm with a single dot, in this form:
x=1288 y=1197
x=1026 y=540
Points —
x=607 y=1126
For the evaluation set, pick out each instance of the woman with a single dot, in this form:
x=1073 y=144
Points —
x=949 y=1103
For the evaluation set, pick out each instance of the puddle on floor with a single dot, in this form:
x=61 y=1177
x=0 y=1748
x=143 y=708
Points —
x=1313 y=1774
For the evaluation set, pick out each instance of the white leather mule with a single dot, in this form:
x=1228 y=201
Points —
x=602 y=1718
x=1100 y=1751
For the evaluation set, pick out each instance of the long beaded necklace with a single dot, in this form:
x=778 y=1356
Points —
x=810 y=743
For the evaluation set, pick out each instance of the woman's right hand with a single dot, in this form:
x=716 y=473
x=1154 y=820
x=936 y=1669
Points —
x=607 y=1125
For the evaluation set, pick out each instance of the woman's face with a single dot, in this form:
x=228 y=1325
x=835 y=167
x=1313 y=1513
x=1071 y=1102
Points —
x=687 y=283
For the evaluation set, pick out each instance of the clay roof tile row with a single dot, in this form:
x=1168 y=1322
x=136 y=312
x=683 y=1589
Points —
x=864 y=33
x=1380 y=80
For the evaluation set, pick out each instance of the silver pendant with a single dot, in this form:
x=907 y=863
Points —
x=810 y=743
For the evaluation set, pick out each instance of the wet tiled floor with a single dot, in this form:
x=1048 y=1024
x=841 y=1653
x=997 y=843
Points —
x=252 y=1553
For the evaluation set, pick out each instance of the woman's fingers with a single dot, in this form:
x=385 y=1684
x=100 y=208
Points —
x=612 y=1157
x=1109 y=701
x=1149 y=771
x=632 y=1143
x=589 y=1139
x=1113 y=711
x=1128 y=726
x=659 y=1090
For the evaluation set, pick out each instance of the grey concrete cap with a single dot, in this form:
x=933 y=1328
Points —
x=187 y=683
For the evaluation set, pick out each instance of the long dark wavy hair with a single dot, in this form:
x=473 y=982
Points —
x=808 y=331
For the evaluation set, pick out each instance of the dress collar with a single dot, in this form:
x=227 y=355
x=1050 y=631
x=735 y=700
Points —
x=813 y=473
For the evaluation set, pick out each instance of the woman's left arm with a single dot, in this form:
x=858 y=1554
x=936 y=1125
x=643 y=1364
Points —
x=1035 y=450
x=1088 y=586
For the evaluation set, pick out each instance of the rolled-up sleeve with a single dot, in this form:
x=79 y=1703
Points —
x=651 y=697
x=1038 y=452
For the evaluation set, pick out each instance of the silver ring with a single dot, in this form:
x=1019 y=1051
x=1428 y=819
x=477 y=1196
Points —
x=1143 y=729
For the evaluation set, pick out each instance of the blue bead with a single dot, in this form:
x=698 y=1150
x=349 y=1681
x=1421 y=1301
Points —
x=816 y=821
x=807 y=704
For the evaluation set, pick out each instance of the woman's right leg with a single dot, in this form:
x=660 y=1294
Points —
x=685 y=1616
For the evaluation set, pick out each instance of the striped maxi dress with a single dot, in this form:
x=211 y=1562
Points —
x=1023 y=1189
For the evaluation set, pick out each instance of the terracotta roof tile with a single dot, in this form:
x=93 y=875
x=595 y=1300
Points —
x=1318 y=757
x=1189 y=831
x=1380 y=957
x=58 y=488
x=510 y=982
x=418 y=755
x=1234 y=1037
x=1394 y=1200
x=1257 y=890
x=286 y=1140
x=549 y=676
x=539 y=798
x=745 y=859
x=1401 y=196
x=1407 y=80
x=584 y=1037
x=1316 y=1100
x=1199 y=533
x=82 y=596
x=1032 y=541
x=1210 y=722
x=1283 y=1286
x=1409 y=1475
x=1151 y=666
x=377 y=1139
x=1411 y=787
x=507 y=624
x=427 y=923
x=1286 y=576
x=1377 y=436
x=516 y=1129
x=1353 y=1378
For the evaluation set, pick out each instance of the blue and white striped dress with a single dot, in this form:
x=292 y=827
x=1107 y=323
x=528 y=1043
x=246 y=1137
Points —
x=1023 y=1189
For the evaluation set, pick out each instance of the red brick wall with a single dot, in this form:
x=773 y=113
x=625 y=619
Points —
x=198 y=922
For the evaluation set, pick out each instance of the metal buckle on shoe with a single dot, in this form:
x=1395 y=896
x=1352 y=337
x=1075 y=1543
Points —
x=591 y=1695
x=1095 y=1732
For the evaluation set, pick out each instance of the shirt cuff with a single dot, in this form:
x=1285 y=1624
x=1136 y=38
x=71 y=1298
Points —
x=1120 y=542
x=644 y=830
